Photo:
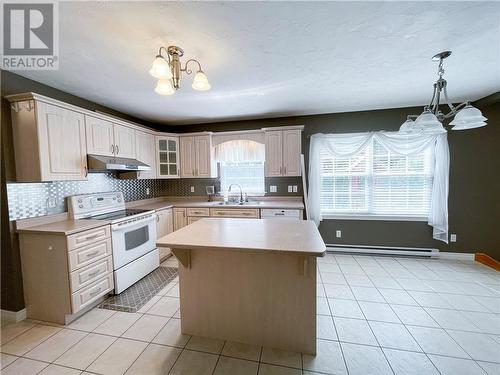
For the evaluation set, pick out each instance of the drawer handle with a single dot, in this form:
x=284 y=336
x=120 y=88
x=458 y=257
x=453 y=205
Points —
x=92 y=274
x=90 y=237
x=246 y=213
x=277 y=214
x=197 y=212
x=97 y=291
x=92 y=253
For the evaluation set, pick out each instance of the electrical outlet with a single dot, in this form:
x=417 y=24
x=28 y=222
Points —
x=192 y=189
x=51 y=202
x=295 y=189
x=273 y=189
x=290 y=188
x=453 y=237
x=338 y=234
x=147 y=191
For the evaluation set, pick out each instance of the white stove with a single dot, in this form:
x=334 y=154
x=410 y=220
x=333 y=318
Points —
x=133 y=234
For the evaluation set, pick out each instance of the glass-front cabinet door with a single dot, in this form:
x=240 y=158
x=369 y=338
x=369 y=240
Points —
x=167 y=157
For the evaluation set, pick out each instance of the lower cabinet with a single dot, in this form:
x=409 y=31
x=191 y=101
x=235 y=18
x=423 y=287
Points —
x=180 y=218
x=64 y=275
x=164 y=226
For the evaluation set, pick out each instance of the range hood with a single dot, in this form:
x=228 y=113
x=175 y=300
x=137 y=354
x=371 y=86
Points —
x=98 y=163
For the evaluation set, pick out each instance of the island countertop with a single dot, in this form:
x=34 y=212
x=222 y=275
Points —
x=297 y=237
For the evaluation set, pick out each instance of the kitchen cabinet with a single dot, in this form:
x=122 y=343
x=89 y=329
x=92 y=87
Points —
x=167 y=157
x=164 y=226
x=124 y=141
x=145 y=152
x=109 y=139
x=99 y=136
x=196 y=157
x=283 y=150
x=49 y=142
x=65 y=274
x=180 y=218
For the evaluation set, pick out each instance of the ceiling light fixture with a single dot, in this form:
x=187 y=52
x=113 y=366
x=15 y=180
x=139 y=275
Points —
x=430 y=120
x=167 y=68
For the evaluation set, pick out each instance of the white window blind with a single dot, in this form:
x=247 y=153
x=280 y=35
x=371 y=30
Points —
x=376 y=182
x=248 y=174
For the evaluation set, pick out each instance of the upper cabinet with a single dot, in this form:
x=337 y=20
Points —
x=49 y=142
x=283 y=150
x=109 y=139
x=124 y=141
x=99 y=136
x=145 y=152
x=167 y=157
x=196 y=156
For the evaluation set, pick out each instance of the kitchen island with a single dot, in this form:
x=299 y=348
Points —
x=249 y=281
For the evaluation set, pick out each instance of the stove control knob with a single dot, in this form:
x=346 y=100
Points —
x=119 y=200
x=80 y=200
x=80 y=205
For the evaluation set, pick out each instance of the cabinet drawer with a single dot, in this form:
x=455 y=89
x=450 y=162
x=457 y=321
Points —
x=88 y=237
x=91 y=293
x=193 y=219
x=198 y=212
x=88 y=254
x=268 y=213
x=87 y=275
x=231 y=212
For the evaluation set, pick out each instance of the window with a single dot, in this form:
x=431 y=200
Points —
x=377 y=182
x=248 y=174
x=241 y=161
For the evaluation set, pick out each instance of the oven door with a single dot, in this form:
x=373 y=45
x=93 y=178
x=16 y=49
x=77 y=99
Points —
x=131 y=240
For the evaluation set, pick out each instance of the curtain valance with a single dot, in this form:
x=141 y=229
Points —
x=240 y=150
x=256 y=136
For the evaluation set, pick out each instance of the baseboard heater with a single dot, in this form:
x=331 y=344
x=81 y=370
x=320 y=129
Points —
x=383 y=250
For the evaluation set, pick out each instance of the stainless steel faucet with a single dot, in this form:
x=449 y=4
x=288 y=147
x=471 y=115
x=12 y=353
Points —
x=242 y=200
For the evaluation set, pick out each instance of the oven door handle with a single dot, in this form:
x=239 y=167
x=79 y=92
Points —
x=122 y=227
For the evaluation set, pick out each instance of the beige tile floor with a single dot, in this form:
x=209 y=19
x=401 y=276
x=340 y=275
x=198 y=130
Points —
x=376 y=315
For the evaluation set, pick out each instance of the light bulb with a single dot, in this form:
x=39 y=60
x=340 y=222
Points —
x=200 y=82
x=164 y=87
x=160 y=68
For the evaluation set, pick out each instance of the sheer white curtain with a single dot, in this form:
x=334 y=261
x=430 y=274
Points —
x=345 y=145
x=240 y=150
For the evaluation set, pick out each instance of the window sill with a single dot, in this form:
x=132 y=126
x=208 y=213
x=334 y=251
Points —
x=374 y=217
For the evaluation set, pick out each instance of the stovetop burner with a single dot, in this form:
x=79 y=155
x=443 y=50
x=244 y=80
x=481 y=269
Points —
x=118 y=214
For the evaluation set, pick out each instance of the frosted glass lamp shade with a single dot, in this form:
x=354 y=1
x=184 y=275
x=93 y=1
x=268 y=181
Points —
x=409 y=127
x=164 y=87
x=200 y=82
x=429 y=123
x=468 y=117
x=160 y=68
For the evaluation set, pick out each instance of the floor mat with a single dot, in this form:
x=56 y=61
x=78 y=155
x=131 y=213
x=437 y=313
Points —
x=133 y=298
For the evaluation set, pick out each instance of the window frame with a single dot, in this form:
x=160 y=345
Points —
x=245 y=190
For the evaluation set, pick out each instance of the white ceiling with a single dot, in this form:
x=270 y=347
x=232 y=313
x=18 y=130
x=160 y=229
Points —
x=276 y=58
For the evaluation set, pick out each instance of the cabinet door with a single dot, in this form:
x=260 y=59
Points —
x=180 y=218
x=188 y=157
x=167 y=157
x=99 y=136
x=124 y=141
x=203 y=156
x=61 y=137
x=291 y=152
x=169 y=220
x=161 y=227
x=274 y=153
x=145 y=152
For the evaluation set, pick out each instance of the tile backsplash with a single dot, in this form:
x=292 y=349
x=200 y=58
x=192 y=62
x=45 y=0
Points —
x=38 y=199
x=27 y=200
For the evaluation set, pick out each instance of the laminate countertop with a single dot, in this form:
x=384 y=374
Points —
x=272 y=204
x=297 y=237
x=64 y=227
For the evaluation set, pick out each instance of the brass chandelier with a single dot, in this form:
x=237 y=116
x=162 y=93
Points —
x=167 y=68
